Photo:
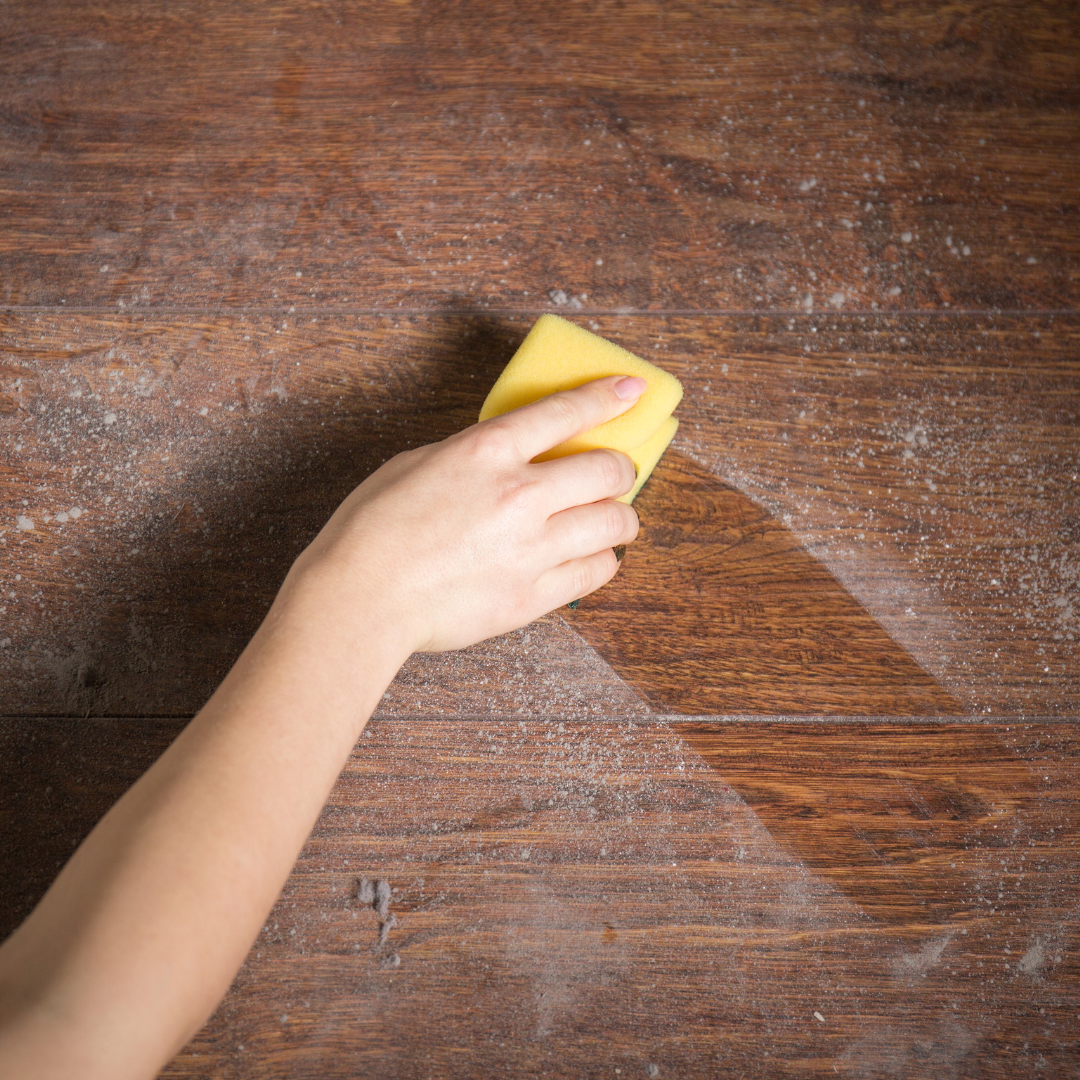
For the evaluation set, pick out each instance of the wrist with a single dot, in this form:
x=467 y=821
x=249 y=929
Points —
x=347 y=618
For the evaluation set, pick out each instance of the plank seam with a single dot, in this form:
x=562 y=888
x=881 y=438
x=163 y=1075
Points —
x=658 y=719
x=451 y=312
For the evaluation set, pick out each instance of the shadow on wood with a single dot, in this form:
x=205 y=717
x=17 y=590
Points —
x=57 y=781
x=224 y=450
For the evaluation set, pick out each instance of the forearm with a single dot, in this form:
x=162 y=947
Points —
x=156 y=910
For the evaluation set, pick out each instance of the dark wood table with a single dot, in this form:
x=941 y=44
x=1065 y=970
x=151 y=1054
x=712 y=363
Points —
x=796 y=795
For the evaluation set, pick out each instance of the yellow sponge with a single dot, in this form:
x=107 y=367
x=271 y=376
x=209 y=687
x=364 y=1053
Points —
x=558 y=355
x=648 y=454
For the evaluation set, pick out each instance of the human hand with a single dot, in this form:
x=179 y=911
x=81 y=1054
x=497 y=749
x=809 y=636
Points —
x=465 y=539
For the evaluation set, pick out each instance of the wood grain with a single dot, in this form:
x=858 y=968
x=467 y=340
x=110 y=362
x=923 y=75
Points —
x=571 y=898
x=928 y=469
x=900 y=826
x=718 y=608
x=305 y=236
x=626 y=154
x=930 y=465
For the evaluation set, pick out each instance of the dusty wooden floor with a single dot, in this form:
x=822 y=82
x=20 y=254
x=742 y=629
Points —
x=797 y=795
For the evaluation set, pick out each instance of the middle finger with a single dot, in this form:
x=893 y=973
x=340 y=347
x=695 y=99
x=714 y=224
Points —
x=588 y=477
x=582 y=531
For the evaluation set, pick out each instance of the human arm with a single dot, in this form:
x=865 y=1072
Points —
x=140 y=935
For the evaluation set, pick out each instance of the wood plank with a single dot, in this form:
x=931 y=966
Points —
x=720 y=609
x=571 y=898
x=928 y=467
x=901 y=831
x=625 y=154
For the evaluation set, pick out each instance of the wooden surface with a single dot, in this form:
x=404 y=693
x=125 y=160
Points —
x=848 y=500
x=248 y=252
x=571 y=898
x=628 y=153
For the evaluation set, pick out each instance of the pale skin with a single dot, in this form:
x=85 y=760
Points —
x=132 y=947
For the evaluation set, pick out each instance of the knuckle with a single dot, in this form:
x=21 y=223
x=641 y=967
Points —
x=611 y=470
x=521 y=607
x=581 y=579
x=515 y=493
x=492 y=439
x=614 y=520
x=564 y=409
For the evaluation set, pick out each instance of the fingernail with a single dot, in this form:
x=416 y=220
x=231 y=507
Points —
x=630 y=387
x=620 y=551
x=573 y=605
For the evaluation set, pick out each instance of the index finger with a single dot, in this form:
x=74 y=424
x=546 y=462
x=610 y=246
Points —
x=554 y=419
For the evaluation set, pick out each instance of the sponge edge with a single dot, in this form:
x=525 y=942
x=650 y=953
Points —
x=646 y=456
x=559 y=355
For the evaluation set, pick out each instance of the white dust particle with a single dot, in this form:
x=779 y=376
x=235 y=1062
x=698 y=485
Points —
x=560 y=298
x=25 y=524
x=1032 y=960
x=909 y=965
